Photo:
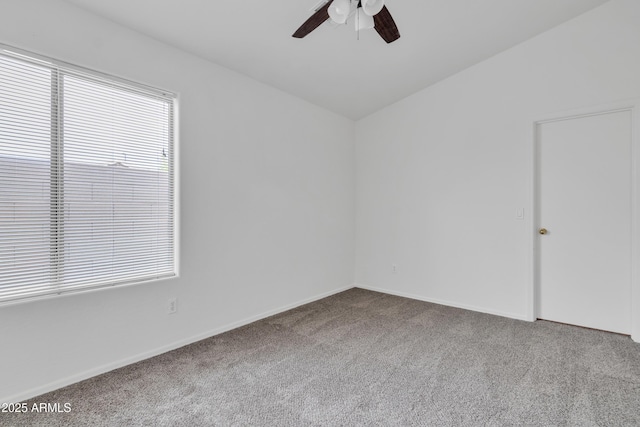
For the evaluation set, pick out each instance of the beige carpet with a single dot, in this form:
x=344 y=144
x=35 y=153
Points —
x=365 y=358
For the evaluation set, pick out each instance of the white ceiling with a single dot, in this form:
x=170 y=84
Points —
x=330 y=67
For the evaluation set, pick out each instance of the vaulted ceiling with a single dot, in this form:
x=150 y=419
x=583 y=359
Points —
x=334 y=67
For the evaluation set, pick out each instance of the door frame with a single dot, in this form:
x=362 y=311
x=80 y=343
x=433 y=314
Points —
x=632 y=105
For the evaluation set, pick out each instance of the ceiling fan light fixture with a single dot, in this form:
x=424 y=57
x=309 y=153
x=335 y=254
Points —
x=372 y=7
x=363 y=21
x=339 y=11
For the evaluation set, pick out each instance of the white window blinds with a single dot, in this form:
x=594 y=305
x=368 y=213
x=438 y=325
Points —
x=86 y=179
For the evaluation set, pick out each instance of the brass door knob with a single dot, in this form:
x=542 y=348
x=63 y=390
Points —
x=542 y=231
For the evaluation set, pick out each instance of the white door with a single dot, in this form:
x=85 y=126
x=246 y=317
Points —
x=584 y=201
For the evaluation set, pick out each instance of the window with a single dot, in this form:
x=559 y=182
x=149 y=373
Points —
x=86 y=179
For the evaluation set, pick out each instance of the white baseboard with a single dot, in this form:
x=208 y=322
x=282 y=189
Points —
x=444 y=302
x=37 y=391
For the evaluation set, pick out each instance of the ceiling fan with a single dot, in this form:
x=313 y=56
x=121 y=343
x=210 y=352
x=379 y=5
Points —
x=368 y=14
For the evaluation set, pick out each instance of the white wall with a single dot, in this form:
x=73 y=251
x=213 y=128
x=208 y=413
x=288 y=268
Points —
x=267 y=208
x=441 y=173
x=267 y=189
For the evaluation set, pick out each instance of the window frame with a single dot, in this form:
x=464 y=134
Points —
x=58 y=68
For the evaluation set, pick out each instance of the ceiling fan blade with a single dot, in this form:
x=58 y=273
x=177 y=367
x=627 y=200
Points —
x=386 y=26
x=314 y=22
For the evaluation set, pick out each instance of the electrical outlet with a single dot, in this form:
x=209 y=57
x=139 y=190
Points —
x=394 y=268
x=172 y=306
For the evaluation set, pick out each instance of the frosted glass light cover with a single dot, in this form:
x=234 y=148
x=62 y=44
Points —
x=372 y=7
x=339 y=11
